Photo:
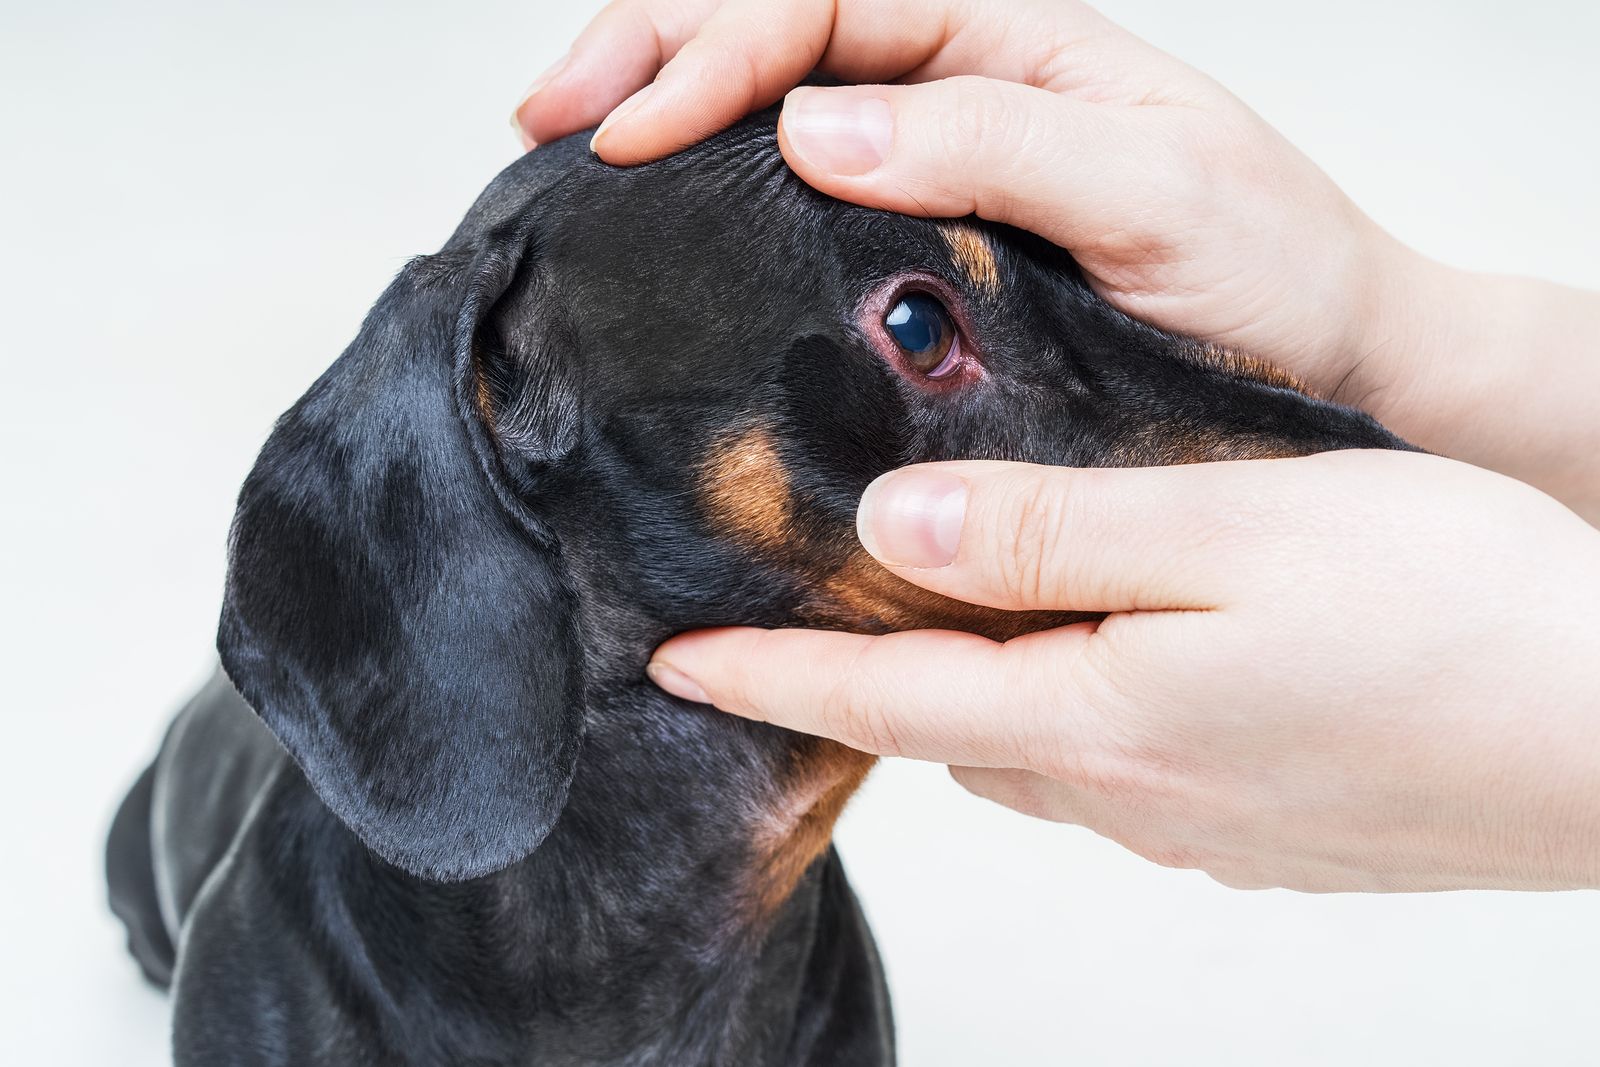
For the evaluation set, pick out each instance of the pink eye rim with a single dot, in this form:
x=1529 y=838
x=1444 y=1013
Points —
x=961 y=366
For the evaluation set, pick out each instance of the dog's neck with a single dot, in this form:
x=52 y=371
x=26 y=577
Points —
x=687 y=893
x=688 y=878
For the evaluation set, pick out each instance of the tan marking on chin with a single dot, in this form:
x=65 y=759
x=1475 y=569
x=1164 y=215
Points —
x=860 y=596
x=973 y=255
x=798 y=829
x=744 y=489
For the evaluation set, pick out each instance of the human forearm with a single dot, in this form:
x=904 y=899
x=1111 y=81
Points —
x=1499 y=371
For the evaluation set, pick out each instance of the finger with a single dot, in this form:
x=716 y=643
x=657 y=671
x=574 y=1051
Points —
x=927 y=694
x=618 y=53
x=750 y=52
x=1072 y=171
x=1028 y=792
x=743 y=58
x=1030 y=537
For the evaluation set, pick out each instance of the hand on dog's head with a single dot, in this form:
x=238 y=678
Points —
x=622 y=403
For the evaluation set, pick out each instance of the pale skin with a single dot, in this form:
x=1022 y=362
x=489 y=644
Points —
x=1356 y=671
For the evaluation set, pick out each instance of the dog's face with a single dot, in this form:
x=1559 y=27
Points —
x=622 y=403
x=745 y=355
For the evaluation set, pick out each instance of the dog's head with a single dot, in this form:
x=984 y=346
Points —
x=622 y=403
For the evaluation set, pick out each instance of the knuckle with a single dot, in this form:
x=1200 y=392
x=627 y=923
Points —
x=877 y=730
x=1027 y=540
x=736 y=686
x=1186 y=149
x=962 y=120
x=854 y=712
x=972 y=123
x=1070 y=729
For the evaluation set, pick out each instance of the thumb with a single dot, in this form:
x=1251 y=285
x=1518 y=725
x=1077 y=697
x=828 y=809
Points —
x=1030 y=537
x=1007 y=152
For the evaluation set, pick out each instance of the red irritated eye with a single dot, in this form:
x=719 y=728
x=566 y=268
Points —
x=922 y=329
x=919 y=326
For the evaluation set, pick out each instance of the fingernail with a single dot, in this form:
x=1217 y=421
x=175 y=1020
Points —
x=912 y=517
x=676 y=682
x=838 y=131
x=620 y=111
x=550 y=72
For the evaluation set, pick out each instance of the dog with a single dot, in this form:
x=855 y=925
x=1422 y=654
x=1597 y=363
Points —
x=433 y=813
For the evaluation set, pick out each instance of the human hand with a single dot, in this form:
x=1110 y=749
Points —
x=1184 y=208
x=1352 y=671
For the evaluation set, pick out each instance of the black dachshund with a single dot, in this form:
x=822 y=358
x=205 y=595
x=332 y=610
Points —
x=460 y=828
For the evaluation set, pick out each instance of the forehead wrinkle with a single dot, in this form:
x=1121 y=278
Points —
x=742 y=163
x=973 y=255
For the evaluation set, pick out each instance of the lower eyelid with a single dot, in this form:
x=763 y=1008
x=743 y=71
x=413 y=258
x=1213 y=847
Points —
x=951 y=361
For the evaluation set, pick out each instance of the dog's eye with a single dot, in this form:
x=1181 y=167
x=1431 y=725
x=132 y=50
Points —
x=922 y=329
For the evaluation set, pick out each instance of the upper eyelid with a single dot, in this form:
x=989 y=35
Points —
x=880 y=297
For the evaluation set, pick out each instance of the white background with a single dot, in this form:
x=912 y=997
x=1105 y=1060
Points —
x=199 y=200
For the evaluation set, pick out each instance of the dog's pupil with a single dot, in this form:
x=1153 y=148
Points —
x=919 y=324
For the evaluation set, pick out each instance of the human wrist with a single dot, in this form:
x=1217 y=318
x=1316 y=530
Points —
x=1432 y=360
x=1404 y=361
x=1495 y=370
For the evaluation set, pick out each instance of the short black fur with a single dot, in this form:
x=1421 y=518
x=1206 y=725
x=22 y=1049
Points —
x=460 y=827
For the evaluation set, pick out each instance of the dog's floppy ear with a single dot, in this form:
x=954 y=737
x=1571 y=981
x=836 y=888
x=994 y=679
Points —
x=395 y=615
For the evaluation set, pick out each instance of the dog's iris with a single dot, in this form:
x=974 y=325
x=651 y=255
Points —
x=924 y=332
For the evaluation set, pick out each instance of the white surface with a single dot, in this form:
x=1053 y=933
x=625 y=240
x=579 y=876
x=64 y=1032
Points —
x=198 y=201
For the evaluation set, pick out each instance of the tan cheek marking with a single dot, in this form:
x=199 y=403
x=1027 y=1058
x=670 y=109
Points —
x=745 y=490
x=789 y=839
x=971 y=252
x=864 y=597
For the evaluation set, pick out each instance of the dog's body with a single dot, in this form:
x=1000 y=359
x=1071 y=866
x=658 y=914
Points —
x=618 y=404
x=302 y=947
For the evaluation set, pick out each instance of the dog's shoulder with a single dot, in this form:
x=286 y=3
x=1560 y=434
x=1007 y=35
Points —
x=213 y=766
x=268 y=964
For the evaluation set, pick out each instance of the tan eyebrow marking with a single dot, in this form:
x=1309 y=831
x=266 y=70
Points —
x=973 y=254
x=744 y=489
